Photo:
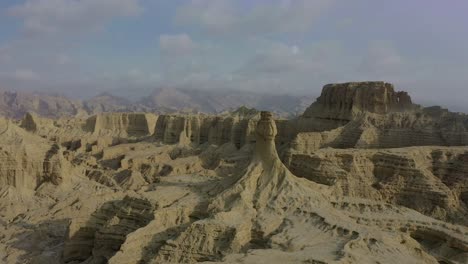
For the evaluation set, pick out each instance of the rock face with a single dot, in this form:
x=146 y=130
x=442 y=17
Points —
x=100 y=237
x=122 y=124
x=427 y=179
x=199 y=129
x=373 y=115
x=262 y=208
x=28 y=160
x=242 y=187
x=345 y=101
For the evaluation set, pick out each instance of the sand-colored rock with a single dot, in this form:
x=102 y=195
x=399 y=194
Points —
x=122 y=124
x=27 y=160
x=345 y=101
x=427 y=179
x=263 y=208
x=201 y=129
x=239 y=187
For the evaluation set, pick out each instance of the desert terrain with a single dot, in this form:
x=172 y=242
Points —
x=363 y=175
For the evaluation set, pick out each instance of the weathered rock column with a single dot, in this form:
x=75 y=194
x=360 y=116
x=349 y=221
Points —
x=265 y=148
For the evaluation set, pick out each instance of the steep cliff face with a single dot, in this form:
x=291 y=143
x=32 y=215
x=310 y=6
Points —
x=350 y=115
x=265 y=209
x=427 y=179
x=393 y=130
x=28 y=160
x=373 y=115
x=344 y=101
x=100 y=237
x=200 y=129
x=122 y=124
x=198 y=199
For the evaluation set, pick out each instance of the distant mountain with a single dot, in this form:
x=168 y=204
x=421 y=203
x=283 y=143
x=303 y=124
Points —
x=210 y=101
x=15 y=104
x=106 y=102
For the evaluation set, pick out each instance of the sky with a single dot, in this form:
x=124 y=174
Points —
x=84 y=47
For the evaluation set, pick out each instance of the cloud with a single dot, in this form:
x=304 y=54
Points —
x=274 y=67
x=26 y=75
x=20 y=75
x=176 y=45
x=230 y=18
x=63 y=59
x=382 y=58
x=5 y=55
x=71 y=16
x=277 y=59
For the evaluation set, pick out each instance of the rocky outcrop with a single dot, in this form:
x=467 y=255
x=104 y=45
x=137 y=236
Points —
x=219 y=192
x=267 y=209
x=345 y=101
x=28 y=160
x=122 y=124
x=427 y=179
x=201 y=129
x=100 y=237
x=393 y=130
x=33 y=123
x=372 y=115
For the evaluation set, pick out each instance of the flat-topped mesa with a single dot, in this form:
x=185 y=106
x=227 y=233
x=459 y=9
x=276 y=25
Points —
x=344 y=101
x=122 y=124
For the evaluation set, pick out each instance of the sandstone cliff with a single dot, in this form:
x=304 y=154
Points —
x=264 y=210
x=428 y=179
x=345 y=101
x=122 y=124
x=240 y=187
x=200 y=129
x=373 y=115
x=28 y=160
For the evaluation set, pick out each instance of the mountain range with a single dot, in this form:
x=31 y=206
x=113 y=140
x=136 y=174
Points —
x=15 y=104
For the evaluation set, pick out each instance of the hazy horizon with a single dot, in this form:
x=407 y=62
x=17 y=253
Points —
x=86 y=47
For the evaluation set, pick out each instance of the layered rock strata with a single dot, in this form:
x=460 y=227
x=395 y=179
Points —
x=428 y=179
x=345 y=101
x=122 y=124
x=28 y=160
x=268 y=211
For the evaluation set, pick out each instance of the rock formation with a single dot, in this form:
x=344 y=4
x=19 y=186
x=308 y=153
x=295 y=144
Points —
x=200 y=129
x=101 y=235
x=373 y=115
x=27 y=161
x=364 y=176
x=122 y=124
x=345 y=101
x=261 y=210
x=427 y=179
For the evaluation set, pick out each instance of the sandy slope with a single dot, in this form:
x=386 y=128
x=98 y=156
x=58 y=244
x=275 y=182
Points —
x=147 y=202
x=368 y=177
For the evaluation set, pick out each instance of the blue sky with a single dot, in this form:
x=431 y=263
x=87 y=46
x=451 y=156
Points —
x=84 y=47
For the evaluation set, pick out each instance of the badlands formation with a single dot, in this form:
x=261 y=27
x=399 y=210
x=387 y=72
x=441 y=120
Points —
x=362 y=176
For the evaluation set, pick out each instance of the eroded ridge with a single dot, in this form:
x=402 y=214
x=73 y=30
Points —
x=238 y=188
